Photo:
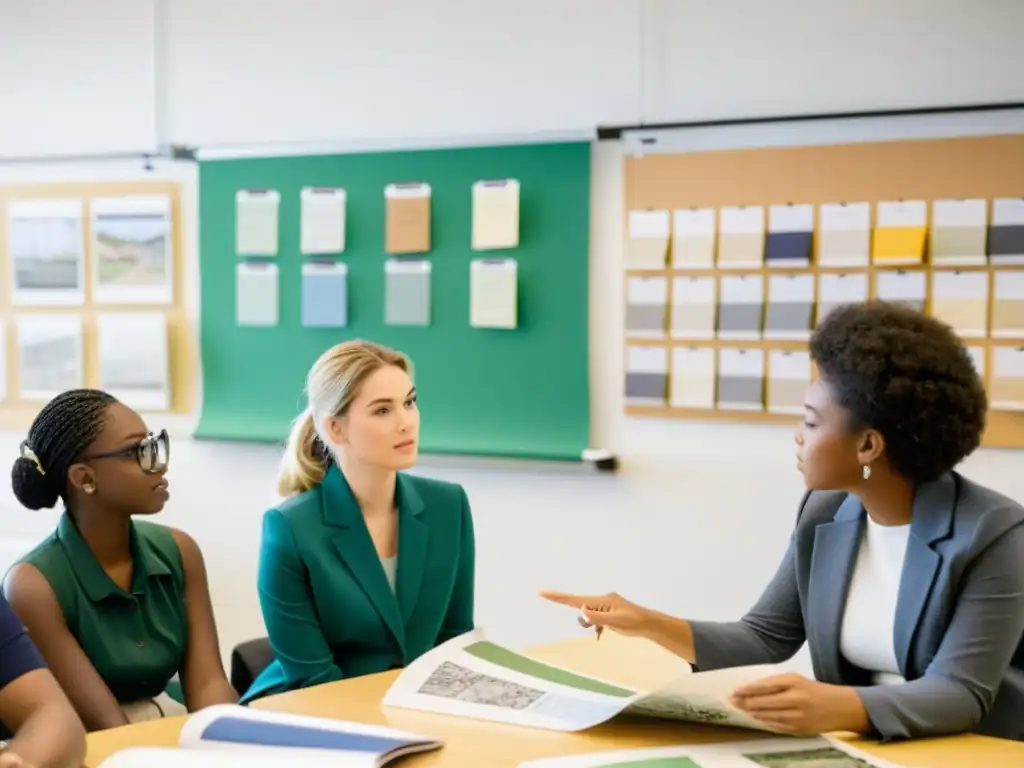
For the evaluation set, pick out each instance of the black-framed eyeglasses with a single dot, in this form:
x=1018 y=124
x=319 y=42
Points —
x=152 y=452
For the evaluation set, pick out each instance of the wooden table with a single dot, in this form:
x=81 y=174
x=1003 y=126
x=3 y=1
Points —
x=629 y=662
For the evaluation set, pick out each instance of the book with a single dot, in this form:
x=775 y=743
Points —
x=231 y=736
x=470 y=676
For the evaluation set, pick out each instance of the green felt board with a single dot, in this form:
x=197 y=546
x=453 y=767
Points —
x=520 y=393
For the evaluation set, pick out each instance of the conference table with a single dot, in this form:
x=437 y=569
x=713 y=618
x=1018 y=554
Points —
x=626 y=661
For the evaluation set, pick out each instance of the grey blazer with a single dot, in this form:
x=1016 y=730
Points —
x=959 y=629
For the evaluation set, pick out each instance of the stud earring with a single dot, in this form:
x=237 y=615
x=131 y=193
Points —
x=866 y=471
x=89 y=488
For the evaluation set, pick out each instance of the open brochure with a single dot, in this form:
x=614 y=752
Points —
x=227 y=735
x=774 y=753
x=472 y=677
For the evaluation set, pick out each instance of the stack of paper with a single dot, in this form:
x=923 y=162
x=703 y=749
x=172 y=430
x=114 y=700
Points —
x=1006 y=232
x=961 y=300
x=647 y=239
x=323 y=221
x=257 y=296
x=407 y=217
x=493 y=293
x=741 y=379
x=256 y=227
x=693 y=307
x=790 y=232
x=407 y=292
x=693 y=238
x=230 y=736
x=324 y=295
x=844 y=237
x=495 y=214
x=901 y=229
x=741 y=237
x=959 y=232
x=693 y=377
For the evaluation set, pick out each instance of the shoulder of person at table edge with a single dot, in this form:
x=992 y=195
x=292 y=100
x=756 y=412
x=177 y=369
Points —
x=120 y=608
x=363 y=568
x=905 y=578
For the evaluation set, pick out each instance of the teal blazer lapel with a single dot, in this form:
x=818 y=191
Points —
x=355 y=546
x=835 y=551
x=413 y=537
x=932 y=520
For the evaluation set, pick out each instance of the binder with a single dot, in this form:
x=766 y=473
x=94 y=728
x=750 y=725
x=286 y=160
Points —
x=647 y=239
x=407 y=217
x=741 y=306
x=789 y=375
x=324 y=294
x=960 y=299
x=646 y=307
x=959 y=232
x=693 y=378
x=256 y=222
x=741 y=235
x=901 y=229
x=1008 y=304
x=693 y=238
x=495 y=214
x=790 y=232
x=790 y=310
x=1006 y=231
x=257 y=297
x=844 y=237
x=646 y=375
x=834 y=290
x=1006 y=384
x=322 y=226
x=493 y=291
x=741 y=379
x=407 y=292
x=902 y=287
x=693 y=308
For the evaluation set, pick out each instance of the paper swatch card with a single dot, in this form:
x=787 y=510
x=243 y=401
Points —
x=790 y=233
x=493 y=293
x=1006 y=231
x=133 y=359
x=906 y=287
x=693 y=378
x=324 y=294
x=257 y=295
x=647 y=237
x=407 y=217
x=646 y=375
x=741 y=237
x=901 y=229
x=741 y=379
x=693 y=238
x=834 y=290
x=959 y=232
x=978 y=358
x=844 y=235
x=646 y=307
x=790 y=310
x=960 y=299
x=789 y=375
x=1006 y=384
x=49 y=355
x=495 y=214
x=693 y=308
x=256 y=222
x=407 y=292
x=1008 y=304
x=740 y=307
x=323 y=221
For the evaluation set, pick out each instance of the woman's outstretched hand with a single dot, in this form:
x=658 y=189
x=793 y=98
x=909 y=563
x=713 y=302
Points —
x=610 y=611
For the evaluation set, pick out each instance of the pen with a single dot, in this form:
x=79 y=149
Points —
x=588 y=624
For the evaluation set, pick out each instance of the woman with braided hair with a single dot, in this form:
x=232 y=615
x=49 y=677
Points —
x=117 y=606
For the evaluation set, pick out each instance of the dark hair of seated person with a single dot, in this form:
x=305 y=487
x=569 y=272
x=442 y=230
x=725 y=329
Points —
x=908 y=377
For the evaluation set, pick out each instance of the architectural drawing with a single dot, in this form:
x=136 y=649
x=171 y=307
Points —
x=451 y=681
x=823 y=757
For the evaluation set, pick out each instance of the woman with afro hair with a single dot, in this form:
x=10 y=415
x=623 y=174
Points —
x=904 y=577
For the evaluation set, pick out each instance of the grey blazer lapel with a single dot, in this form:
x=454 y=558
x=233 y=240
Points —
x=835 y=551
x=932 y=520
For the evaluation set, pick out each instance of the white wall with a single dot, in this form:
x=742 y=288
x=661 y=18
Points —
x=691 y=496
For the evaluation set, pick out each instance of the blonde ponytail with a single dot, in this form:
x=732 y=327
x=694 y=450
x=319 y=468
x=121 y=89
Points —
x=301 y=467
x=331 y=385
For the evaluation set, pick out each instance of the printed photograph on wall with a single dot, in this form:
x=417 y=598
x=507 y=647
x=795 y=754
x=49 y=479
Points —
x=49 y=355
x=46 y=247
x=132 y=261
x=133 y=359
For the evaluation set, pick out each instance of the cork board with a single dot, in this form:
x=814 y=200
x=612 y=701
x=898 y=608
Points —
x=986 y=167
x=17 y=414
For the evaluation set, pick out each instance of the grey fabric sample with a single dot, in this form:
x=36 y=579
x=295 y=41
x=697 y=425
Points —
x=646 y=386
x=645 y=318
x=741 y=390
x=1006 y=242
x=407 y=299
x=740 y=318
x=788 y=317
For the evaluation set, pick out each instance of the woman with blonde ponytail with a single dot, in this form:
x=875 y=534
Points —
x=347 y=581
